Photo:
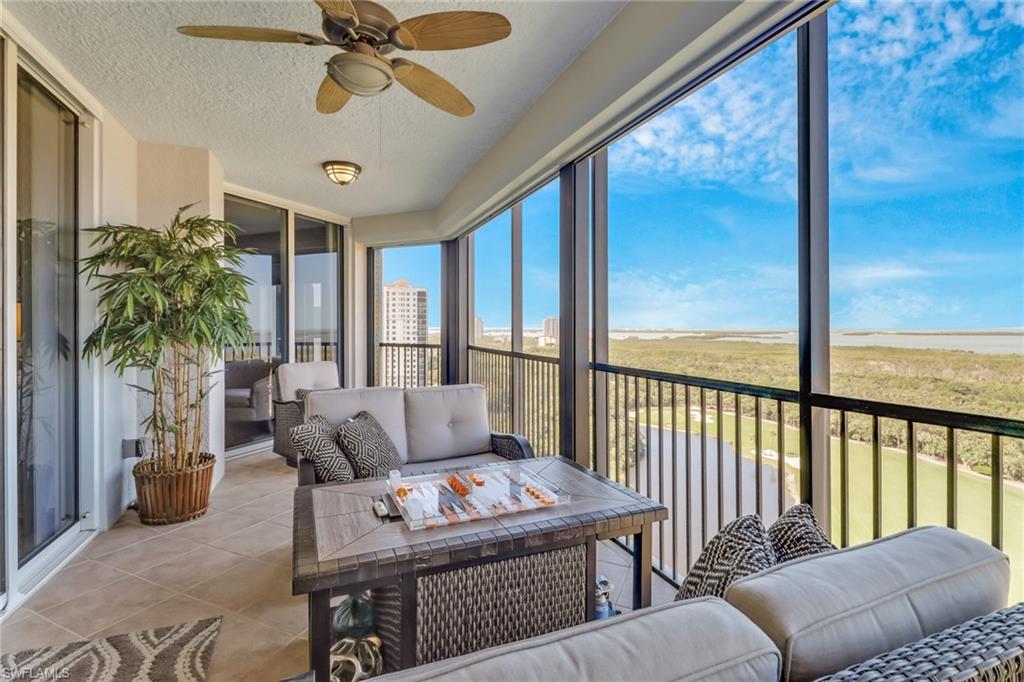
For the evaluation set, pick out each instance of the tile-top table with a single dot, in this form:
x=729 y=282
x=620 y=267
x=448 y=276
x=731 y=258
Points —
x=341 y=547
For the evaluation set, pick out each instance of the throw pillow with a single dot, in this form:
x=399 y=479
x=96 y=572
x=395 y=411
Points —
x=314 y=440
x=739 y=549
x=368 y=446
x=796 y=533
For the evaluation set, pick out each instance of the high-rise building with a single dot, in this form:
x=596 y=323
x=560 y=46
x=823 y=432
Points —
x=478 y=329
x=404 y=320
x=549 y=336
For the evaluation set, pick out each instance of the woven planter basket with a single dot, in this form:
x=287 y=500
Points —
x=173 y=497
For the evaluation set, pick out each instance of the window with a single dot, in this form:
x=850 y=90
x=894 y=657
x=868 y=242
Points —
x=47 y=344
x=492 y=283
x=540 y=271
x=702 y=229
x=410 y=321
x=317 y=290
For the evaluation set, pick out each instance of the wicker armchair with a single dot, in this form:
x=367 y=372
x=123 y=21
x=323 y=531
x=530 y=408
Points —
x=294 y=381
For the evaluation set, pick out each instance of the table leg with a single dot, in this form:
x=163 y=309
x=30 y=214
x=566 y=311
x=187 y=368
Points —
x=320 y=635
x=591 y=577
x=642 y=567
x=408 y=588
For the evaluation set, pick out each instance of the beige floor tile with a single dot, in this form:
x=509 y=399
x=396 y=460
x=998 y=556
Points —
x=177 y=609
x=32 y=631
x=102 y=607
x=142 y=555
x=117 y=537
x=242 y=586
x=279 y=608
x=72 y=581
x=188 y=569
x=288 y=661
x=613 y=554
x=244 y=648
x=267 y=507
x=230 y=496
x=255 y=540
x=280 y=555
x=285 y=519
x=212 y=527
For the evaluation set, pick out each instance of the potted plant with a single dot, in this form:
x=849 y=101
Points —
x=170 y=300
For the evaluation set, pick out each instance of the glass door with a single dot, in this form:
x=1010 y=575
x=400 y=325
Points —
x=45 y=313
x=248 y=410
x=317 y=291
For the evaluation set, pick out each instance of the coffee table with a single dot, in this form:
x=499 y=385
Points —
x=341 y=547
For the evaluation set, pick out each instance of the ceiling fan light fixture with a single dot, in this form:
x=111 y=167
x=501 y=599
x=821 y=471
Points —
x=361 y=74
x=342 y=172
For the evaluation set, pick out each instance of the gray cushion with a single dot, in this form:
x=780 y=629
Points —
x=679 y=641
x=314 y=440
x=292 y=376
x=446 y=421
x=367 y=446
x=828 y=611
x=387 y=405
x=797 y=534
x=739 y=549
x=417 y=468
x=237 y=397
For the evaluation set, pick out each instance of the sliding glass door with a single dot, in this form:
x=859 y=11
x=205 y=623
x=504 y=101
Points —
x=317 y=290
x=46 y=372
x=248 y=410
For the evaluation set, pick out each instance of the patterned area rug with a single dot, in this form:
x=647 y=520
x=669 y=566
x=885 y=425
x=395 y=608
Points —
x=179 y=653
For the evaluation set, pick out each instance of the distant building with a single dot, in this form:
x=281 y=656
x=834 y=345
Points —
x=478 y=329
x=404 y=320
x=549 y=336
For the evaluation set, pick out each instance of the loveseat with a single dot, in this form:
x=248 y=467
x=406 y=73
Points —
x=433 y=428
x=921 y=604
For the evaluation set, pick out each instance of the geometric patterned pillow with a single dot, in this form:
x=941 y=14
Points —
x=314 y=440
x=797 y=533
x=368 y=446
x=739 y=549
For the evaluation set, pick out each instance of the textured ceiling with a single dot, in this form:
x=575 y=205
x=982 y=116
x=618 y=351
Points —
x=253 y=104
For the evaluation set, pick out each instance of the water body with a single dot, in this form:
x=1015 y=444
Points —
x=1009 y=342
x=704 y=494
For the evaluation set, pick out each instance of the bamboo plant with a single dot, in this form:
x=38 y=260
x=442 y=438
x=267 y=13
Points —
x=170 y=300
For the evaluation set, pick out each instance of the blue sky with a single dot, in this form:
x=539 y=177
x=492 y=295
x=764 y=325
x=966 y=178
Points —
x=926 y=115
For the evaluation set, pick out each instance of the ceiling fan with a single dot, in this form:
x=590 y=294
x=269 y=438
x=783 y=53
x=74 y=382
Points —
x=365 y=32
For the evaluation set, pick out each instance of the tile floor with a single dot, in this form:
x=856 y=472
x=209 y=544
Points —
x=234 y=562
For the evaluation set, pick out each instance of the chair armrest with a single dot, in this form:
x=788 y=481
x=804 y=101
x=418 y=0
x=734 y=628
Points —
x=307 y=474
x=287 y=415
x=259 y=397
x=511 y=446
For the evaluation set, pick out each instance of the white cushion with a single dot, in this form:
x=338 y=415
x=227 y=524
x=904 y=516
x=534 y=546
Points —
x=828 y=611
x=385 y=404
x=695 y=640
x=468 y=461
x=446 y=421
x=308 y=375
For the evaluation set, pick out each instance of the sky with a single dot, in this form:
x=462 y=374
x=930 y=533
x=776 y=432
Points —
x=926 y=147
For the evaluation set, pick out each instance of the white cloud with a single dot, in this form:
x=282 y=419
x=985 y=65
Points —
x=868 y=275
x=889 y=310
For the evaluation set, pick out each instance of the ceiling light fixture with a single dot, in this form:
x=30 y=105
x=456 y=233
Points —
x=342 y=172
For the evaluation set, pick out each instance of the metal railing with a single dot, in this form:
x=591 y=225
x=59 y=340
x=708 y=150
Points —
x=408 y=365
x=522 y=394
x=257 y=350
x=306 y=351
x=897 y=441
x=708 y=450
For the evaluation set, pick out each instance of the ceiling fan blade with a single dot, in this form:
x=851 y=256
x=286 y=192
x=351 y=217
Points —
x=340 y=10
x=259 y=35
x=331 y=97
x=431 y=88
x=456 y=30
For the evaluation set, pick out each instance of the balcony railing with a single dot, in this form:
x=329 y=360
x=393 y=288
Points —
x=522 y=394
x=409 y=365
x=674 y=439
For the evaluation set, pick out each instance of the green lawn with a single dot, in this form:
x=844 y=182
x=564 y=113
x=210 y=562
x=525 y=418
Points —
x=973 y=491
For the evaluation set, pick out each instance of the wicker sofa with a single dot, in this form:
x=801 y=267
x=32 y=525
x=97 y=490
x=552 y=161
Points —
x=433 y=428
x=922 y=604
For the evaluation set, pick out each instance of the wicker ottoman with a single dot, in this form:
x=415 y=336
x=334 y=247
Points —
x=986 y=649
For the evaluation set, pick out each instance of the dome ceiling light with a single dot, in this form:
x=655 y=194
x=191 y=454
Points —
x=342 y=172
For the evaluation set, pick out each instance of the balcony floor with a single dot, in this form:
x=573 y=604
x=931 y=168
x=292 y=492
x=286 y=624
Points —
x=235 y=562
